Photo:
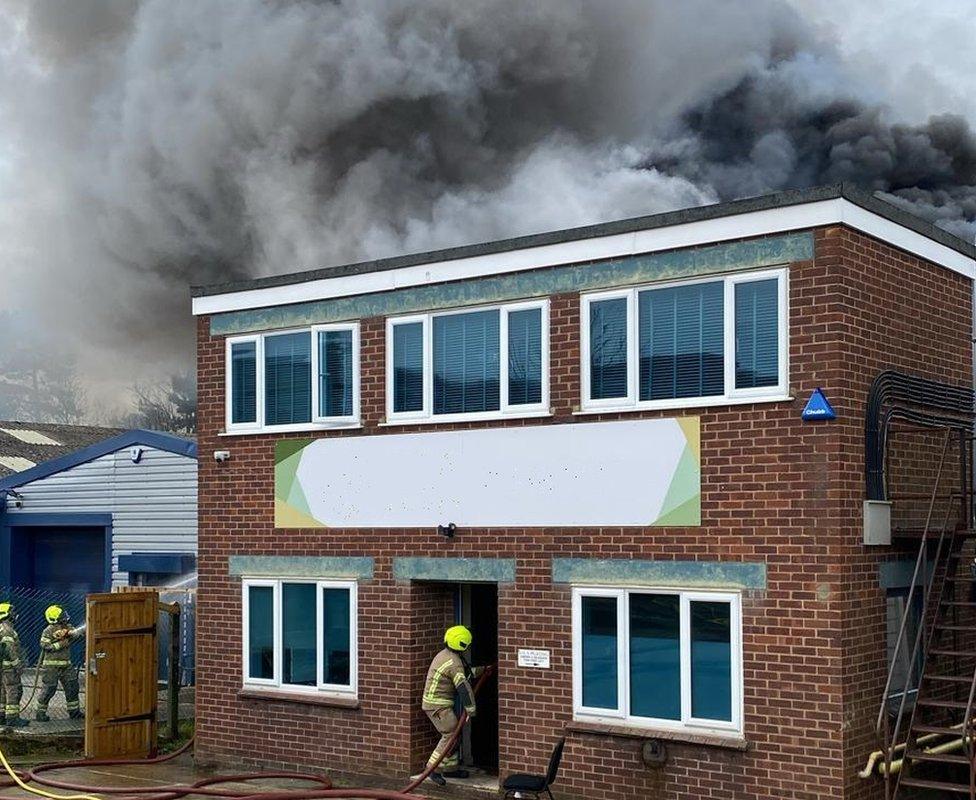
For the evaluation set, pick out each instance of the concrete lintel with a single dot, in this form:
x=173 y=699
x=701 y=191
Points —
x=629 y=270
x=684 y=574
x=466 y=570
x=359 y=567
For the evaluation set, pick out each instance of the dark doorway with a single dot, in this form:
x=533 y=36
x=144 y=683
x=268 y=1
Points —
x=59 y=559
x=479 y=611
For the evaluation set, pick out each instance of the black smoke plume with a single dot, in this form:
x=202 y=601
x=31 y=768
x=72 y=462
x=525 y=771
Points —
x=146 y=145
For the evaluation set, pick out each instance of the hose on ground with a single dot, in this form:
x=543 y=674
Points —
x=322 y=786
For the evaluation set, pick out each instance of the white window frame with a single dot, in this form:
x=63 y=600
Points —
x=730 y=395
x=317 y=422
x=318 y=418
x=277 y=682
x=246 y=631
x=505 y=411
x=621 y=715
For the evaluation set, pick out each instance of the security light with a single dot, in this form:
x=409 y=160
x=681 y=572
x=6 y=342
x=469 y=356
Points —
x=447 y=531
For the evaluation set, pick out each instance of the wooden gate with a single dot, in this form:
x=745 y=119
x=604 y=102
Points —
x=121 y=687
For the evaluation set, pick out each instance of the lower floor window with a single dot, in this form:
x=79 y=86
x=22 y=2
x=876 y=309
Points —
x=300 y=634
x=905 y=674
x=668 y=658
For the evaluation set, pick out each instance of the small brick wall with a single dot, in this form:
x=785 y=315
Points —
x=774 y=489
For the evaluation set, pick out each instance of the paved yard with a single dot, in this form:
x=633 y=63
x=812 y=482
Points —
x=182 y=770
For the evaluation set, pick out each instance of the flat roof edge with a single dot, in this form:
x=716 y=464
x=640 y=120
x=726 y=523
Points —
x=846 y=191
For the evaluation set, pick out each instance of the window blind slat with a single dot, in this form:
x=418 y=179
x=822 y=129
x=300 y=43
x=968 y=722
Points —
x=757 y=334
x=466 y=362
x=608 y=348
x=680 y=341
x=335 y=373
x=288 y=379
x=525 y=357
x=408 y=367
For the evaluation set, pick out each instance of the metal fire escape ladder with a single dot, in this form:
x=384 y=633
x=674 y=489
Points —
x=935 y=750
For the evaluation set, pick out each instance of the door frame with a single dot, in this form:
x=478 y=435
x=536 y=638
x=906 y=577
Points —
x=9 y=521
x=462 y=616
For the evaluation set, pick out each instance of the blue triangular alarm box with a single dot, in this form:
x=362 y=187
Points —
x=818 y=407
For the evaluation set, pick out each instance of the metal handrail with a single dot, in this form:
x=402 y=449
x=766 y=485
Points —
x=882 y=726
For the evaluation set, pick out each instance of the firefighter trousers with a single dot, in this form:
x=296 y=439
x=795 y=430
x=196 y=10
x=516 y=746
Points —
x=11 y=692
x=444 y=720
x=51 y=676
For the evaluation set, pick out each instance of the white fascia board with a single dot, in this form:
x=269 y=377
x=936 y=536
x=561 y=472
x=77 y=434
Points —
x=690 y=234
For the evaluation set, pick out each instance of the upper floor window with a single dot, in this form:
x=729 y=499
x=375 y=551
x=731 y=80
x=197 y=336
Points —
x=490 y=362
x=293 y=380
x=665 y=658
x=683 y=344
x=300 y=635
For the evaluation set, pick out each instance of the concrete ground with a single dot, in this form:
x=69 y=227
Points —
x=182 y=770
x=60 y=725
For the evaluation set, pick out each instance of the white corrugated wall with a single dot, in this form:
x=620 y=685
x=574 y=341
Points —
x=153 y=503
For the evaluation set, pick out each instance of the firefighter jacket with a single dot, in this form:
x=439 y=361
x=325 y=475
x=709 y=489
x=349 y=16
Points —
x=56 y=645
x=10 y=647
x=446 y=677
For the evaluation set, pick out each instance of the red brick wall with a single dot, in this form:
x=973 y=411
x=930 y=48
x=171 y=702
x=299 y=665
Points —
x=774 y=489
x=902 y=313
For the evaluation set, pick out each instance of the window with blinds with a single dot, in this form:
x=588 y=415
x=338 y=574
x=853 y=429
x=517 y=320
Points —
x=485 y=361
x=244 y=383
x=295 y=380
x=756 y=334
x=681 y=341
x=466 y=362
x=335 y=373
x=408 y=367
x=287 y=379
x=670 y=346
x=608 y=348
x=525 y=357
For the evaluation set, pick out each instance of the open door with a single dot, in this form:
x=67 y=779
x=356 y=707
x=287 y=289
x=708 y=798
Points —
x=479 y=611
x=121 y=689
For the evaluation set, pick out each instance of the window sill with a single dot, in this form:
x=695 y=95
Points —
x=309 y=699
x=728 y=742
x=670 y=405
x=443 y=419
x=304 y=428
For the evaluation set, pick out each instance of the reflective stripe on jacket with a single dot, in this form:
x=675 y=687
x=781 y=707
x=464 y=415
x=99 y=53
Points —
x=445 y=676
x=9 y=646
x=56 y=648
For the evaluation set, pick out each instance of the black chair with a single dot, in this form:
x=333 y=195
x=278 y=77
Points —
x=534 y=785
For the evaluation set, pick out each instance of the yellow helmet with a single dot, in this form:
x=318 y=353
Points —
x=458 y=638
x=55 y=614
x=6 y=609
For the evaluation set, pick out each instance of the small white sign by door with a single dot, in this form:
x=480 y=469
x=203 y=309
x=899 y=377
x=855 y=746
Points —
x=538 y=659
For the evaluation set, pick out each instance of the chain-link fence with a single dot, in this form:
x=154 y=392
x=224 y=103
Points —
x=30 y=605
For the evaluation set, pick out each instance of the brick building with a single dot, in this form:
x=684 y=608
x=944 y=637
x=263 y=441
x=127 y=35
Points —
x=647 y=536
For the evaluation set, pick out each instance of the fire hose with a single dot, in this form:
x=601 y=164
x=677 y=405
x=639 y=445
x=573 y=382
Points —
x=210 y=787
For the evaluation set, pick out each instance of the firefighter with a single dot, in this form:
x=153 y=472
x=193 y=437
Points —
x=56 y=641
x=448 y=676
x=12 y=666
